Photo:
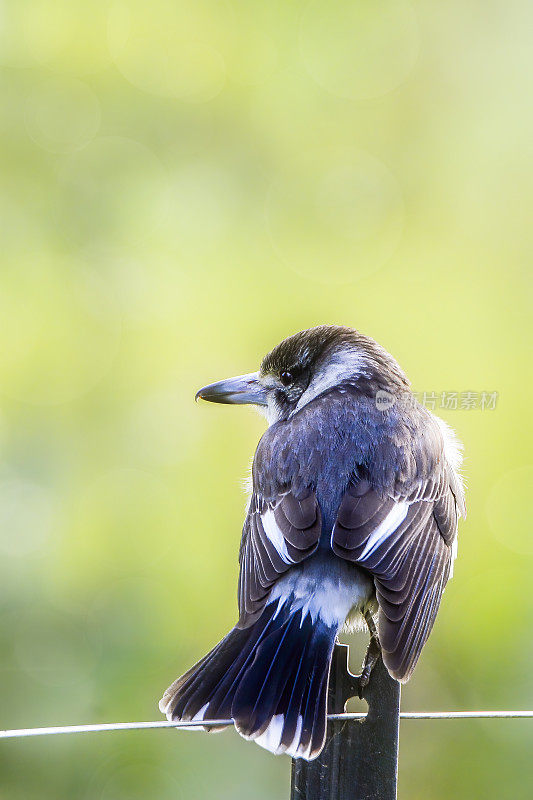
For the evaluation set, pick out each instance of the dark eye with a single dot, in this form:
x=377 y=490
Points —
x=286 y=378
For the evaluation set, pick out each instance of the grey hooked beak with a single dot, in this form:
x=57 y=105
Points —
x=242 y=389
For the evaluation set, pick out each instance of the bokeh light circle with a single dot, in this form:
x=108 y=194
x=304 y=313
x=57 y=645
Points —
x=172 y=57
x=202 y=201
x=69 y=38
x=26 y=519
x=337 y=216
x=109 y=193
x=359 y=50
x=252 y=56
x=62 y=115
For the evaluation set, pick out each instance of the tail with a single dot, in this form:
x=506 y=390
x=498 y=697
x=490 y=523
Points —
x=270 y=678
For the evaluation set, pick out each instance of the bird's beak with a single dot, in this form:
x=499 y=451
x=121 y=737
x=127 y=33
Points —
x=242 y=389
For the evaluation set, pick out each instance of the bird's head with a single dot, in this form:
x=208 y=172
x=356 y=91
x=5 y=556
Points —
x=306 y=365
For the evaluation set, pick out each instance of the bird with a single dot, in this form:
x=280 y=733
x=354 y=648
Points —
x=356 y=493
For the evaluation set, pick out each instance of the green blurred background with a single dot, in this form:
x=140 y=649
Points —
x=183 y=185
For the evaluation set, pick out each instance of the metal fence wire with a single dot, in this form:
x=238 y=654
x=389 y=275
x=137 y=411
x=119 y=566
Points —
x=20 y=733
x=360 y=757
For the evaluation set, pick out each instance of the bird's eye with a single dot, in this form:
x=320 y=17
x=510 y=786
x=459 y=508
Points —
x=286 y=378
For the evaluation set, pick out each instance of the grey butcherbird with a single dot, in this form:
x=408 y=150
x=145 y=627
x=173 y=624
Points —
x=353 y=513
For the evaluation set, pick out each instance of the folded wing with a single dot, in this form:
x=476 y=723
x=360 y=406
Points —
x=276 y=535
x=407 y=546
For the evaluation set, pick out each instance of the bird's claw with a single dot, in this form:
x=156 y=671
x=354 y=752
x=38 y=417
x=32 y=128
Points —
x=362 y=682
x=372 y=655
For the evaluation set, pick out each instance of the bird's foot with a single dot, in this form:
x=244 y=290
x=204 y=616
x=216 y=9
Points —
x=372 y=656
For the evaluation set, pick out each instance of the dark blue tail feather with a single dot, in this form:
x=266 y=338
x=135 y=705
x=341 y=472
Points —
x=270 y=678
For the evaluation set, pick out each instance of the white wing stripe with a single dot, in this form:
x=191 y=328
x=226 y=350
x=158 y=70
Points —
x=454 y=556
x=271 y=529
x=394 y=518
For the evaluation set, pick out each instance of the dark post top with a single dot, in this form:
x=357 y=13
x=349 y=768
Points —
x=360 y=758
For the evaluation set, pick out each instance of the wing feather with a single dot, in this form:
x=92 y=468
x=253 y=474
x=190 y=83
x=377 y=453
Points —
x=409 y=558
x=276 y=535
